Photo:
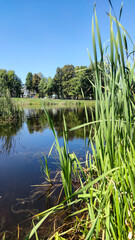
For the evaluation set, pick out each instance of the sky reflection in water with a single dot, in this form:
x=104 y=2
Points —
x=21 y=148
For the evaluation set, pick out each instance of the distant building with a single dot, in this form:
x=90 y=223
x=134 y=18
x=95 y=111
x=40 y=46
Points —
x=24 y=92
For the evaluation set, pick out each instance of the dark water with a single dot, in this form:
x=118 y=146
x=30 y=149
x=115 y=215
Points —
x=21 y=147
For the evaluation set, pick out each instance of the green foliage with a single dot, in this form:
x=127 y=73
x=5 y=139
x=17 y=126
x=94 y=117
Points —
x=64 y=159
x=29 y=79
x=4 y=83
x=70 y=81
x=10 y=81
x=45 y=87
x=50 y=86
x=67 y=74
x=82 y=81
x=35 y=82
x=8 y=111
x=57 y=80
x=42 y=87
x=14 y=84
x=45 y=170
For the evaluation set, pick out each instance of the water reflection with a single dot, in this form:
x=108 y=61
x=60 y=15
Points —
x=74 y=117
x=7 y=133
x=21 y=145
x=37 y=122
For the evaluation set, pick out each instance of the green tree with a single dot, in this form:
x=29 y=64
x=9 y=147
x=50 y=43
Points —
x=57 y=83
x=50 y=86
x=10 y=81
x=35 y=82
x=14 y=84
x=61 y=81
x=46 y=87
x=70 y=81
x=75 y=87
x=29 y=79
x=67 y=74
x=42 y=87
x=82 y=82
x=4 y=84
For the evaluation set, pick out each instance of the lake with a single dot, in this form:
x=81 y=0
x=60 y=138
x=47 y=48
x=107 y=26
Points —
x=22 y=146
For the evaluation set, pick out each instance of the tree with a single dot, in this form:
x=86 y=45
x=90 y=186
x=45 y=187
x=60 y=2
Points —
x=42 y=87
x=82 y=82
x=67 y=74
x=29 y=79
x=3 y=81
x=75 y=86
x=46 y=87
x=50 y=86
x=57 y=83
x=11 y=82
x=14 y=84
x=70 y=81
x=61 y=81
x=35 y=82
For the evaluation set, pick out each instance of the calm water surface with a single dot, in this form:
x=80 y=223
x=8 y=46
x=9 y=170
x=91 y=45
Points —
x=21 y=148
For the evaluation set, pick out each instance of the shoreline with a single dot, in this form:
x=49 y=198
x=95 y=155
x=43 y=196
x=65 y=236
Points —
x=51 y=102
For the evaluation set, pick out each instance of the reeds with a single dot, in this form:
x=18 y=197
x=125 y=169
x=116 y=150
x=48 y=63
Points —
x=8 y=111
x=107 y=181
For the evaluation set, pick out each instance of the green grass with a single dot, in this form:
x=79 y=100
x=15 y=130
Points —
x=51 y=102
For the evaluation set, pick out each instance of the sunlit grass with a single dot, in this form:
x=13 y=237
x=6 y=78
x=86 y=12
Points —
x=29 y=102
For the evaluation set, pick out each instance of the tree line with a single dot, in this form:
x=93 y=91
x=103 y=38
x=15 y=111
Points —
x=69 y=82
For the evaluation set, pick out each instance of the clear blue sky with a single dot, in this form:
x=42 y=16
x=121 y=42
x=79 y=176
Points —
x=41 y=35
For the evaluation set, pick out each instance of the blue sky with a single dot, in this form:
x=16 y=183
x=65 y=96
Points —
x=41 y=35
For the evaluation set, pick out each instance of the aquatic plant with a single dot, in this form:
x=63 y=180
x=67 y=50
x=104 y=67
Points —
x=103 y=206
x=8 y=110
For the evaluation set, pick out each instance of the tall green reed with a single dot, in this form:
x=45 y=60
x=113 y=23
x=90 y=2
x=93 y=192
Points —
x=65 y=160
x=8 y=110
x=107 y=191
x=114 y=137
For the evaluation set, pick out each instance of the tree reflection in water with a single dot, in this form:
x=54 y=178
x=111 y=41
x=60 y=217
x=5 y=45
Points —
x=37 y=122
x=22 y=169
x=8 y=131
